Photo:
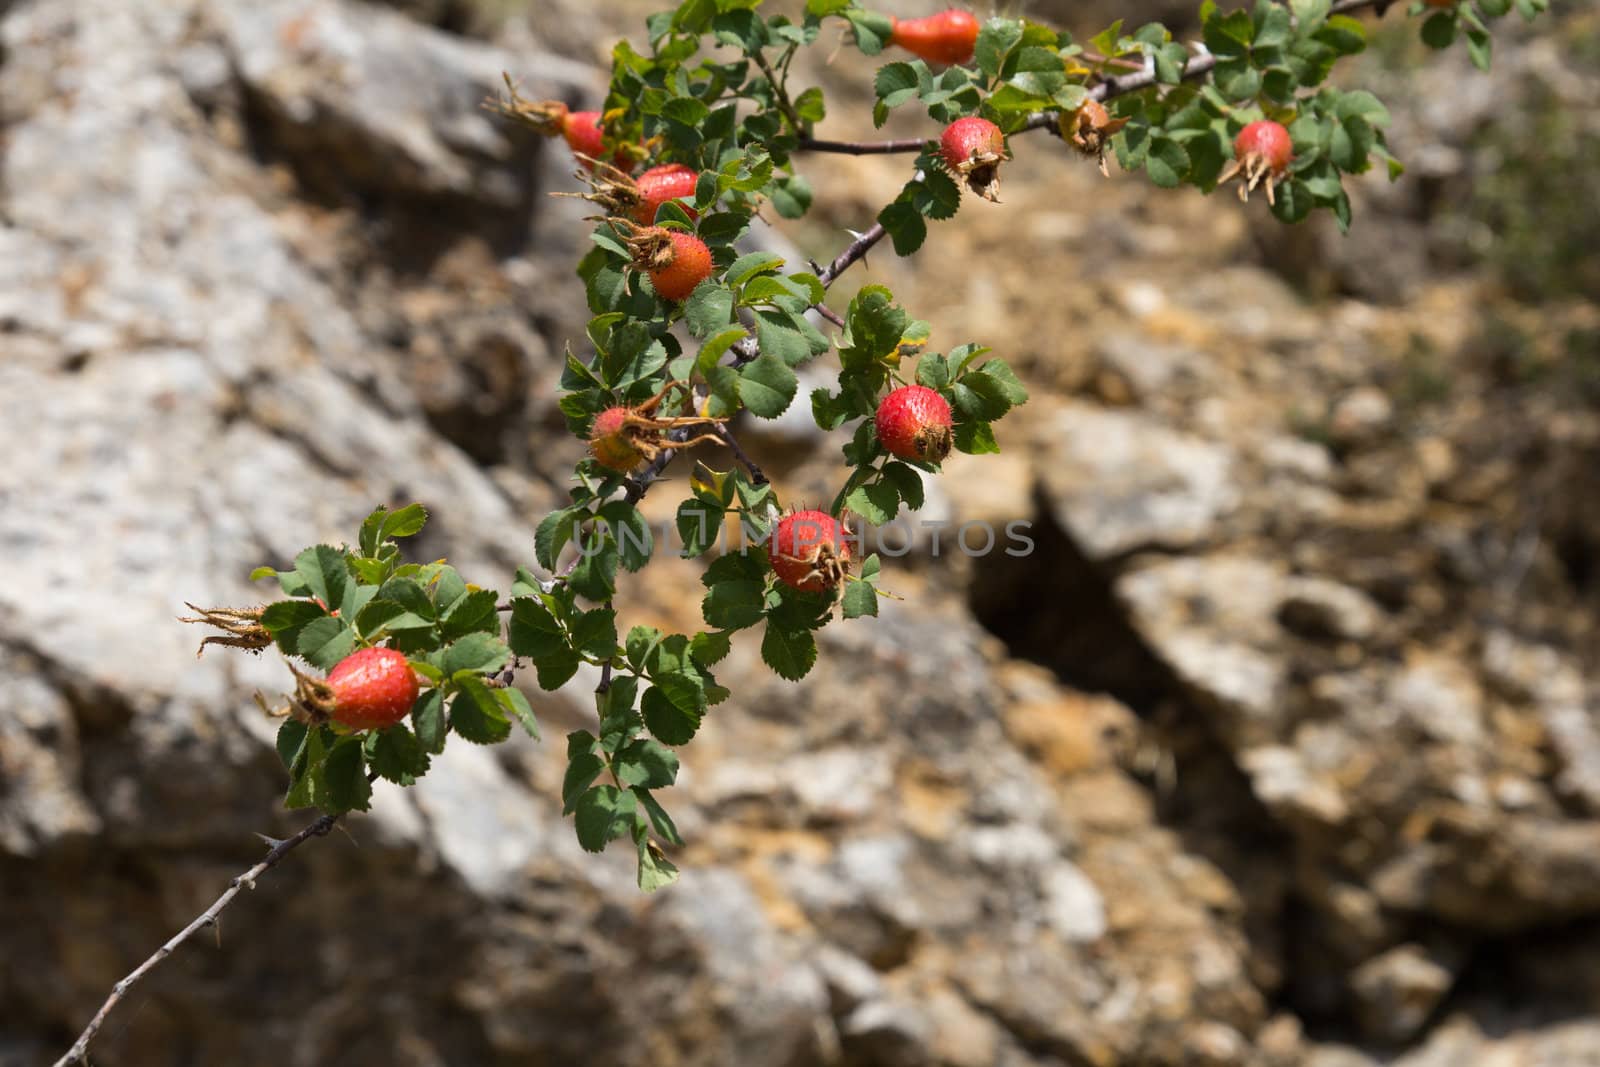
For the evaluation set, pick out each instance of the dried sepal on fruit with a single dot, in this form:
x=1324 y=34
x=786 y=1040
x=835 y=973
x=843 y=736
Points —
x=676 y=261
x=810 y=551
x=1089 y=129
x=623 y=437
x=1261 y=156
x=584 y=131
x=973 y=149
x=241 y=627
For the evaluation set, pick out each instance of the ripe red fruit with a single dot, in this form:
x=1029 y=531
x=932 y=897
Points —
x=973 y=149
x=611 y=443
x=809 y=551
x=660 y=184
x=372 y=688
x=1261 y=155
x=948 y=37
x=914 y=423
x=676 y=261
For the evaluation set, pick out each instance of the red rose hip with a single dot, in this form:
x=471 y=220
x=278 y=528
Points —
x=656 y=186
x=973 y=148
x=372 y=688
x=948 y=37
x=809 y=551
x=914 y=423
x=1261 y=155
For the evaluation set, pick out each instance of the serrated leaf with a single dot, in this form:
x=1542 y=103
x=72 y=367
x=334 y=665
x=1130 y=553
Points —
x=631 y=532
x=324 y=642
x=476 y=716
x=595 y=576
x=709 y=308
x=427 y=719
x=584 y=765
x=325 y=573
x=767 y=386
x=791 y=653
x=975 y=438
x=859 y=599
x=291 y=742
x=667 y=720
x=877 y=502
x=516 y=705
x=733 y=605
x=602 y=813
x=405 y=522
x=478 y=652
x=655 y=870
x=905 y=227
x=552 y=534
x=907 y=483
x=342 y=784
x=699 y=523
x=475 y=611
x=1167 y=163
x=647 y=764
x=398 y=755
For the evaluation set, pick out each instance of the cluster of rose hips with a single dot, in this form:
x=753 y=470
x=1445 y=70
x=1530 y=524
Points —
x=807 y=549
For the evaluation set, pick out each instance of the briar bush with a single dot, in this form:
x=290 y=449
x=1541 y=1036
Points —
x=704 y=128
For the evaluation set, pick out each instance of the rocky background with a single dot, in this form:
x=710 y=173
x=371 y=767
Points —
x=1280 y=749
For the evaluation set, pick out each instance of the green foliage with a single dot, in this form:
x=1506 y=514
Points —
x=711 y=90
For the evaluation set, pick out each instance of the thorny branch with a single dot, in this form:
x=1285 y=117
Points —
x=247 y=880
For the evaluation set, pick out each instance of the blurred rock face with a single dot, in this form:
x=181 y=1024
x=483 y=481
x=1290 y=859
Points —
x=1285 y=727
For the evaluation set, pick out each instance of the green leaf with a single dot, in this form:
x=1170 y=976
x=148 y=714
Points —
x=1439 y=30
x=907 y=483
x=1167 y=163
x=427 y=718
x=667 y=720
x=553 y=533
x=325 y=573
x=716 y=347
x=699 y=525
x=896 y=83
x=709 y=308
x=595 y=633
x=647 y=764
x=405 y=522
x=998 y=37
x=751 y=265
x=516 y=705
x=324 y=642
x=477 y=652
x=733 y=605
x=1479 y=48
x=476 y=715
x=877 y=502
x=709 y=648
x=859 y=599
x=291 y=742
x=473 y=612
x=398 y=756
x=792 y=195
x=655 y=870
x=905 y=227
x=791 y=653
x=767 y=386
x=602 y=813
x=631 y=531
x=584 y=765
x=595 y=576
x=781 y=334
x=305 y=775
x=342 y=784
x=975 y=438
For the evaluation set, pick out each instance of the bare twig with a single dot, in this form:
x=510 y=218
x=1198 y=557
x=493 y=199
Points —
x=207 y=918
x=863 y=148
x=756 y=474
x=783 y=94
